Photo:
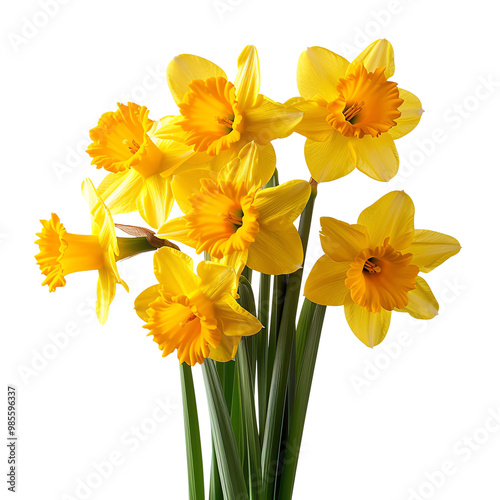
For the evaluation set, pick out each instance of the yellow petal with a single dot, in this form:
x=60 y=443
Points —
x=341 y=241
x=174 y=151
x=156 y=199
x=186 y=68
x=142 y=302
x=226 y=350
x=174 y=271
x=236 y=260
x=102 y=223
x=216 y=280
x=219 y=161
x=188 y=182
x=326 y=282
x=313 y=124
x=247 y=81
x=330 y=159
x=370 y=328
x=411 y=112
x=267 y=159
x=247 y=168
x=104 y=228
x=177 y=230
x=379 y=54
x=266 y=155
x=422 y=303
x=390 y=217
x=121 y=191
x=377 y=157
x=276 y=251
x=236 y=321
x=430 y=249
x=174 y=154
x=106 y=289
x=282 y=204
x=269 y=120
x=169 y=128
x=318 y=73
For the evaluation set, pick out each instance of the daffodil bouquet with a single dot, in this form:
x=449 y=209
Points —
x=215 y=159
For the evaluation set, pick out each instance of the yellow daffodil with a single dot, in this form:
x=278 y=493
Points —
x=141 y=165
x=229 y=215
x=219 y=117
x=352 y=112
x=371 y=268
x=63 y=253
x=195 y=314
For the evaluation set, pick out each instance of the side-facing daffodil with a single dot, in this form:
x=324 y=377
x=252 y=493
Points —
x=63 y=253
x=372 y=267
x=229 y=215
x=353 y=112
x=219 y=117
x=141 y=165
x=195 y=314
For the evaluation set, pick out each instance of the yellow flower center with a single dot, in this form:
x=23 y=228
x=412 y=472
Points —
x=186 y=323
x=121 y=141
x=380 y=278
x=211 y=118
x=63 y=253
x=223 y=219
x=367 y=104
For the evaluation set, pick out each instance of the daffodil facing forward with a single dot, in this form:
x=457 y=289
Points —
x=141 y=165
x=372 y=267
x=195 y=314
x=217 y=117
x=353 y=112
x=63 y=253
x=231 y=217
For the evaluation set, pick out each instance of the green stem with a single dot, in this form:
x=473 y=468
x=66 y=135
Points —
x=301 y=402
x=128 y=247
x=247 y=273
x=192 y=432
x=278 y=390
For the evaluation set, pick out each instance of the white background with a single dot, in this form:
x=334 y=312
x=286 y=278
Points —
x=380 y=422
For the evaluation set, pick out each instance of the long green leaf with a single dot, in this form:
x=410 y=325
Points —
x=228 y=461
x=301 y=402
x=192 y=432
x=247 y=301
x=278 y=302
x=262 y=347
x=305 y=319
x=215 y=491
x=237 y=418
x=278 y=391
